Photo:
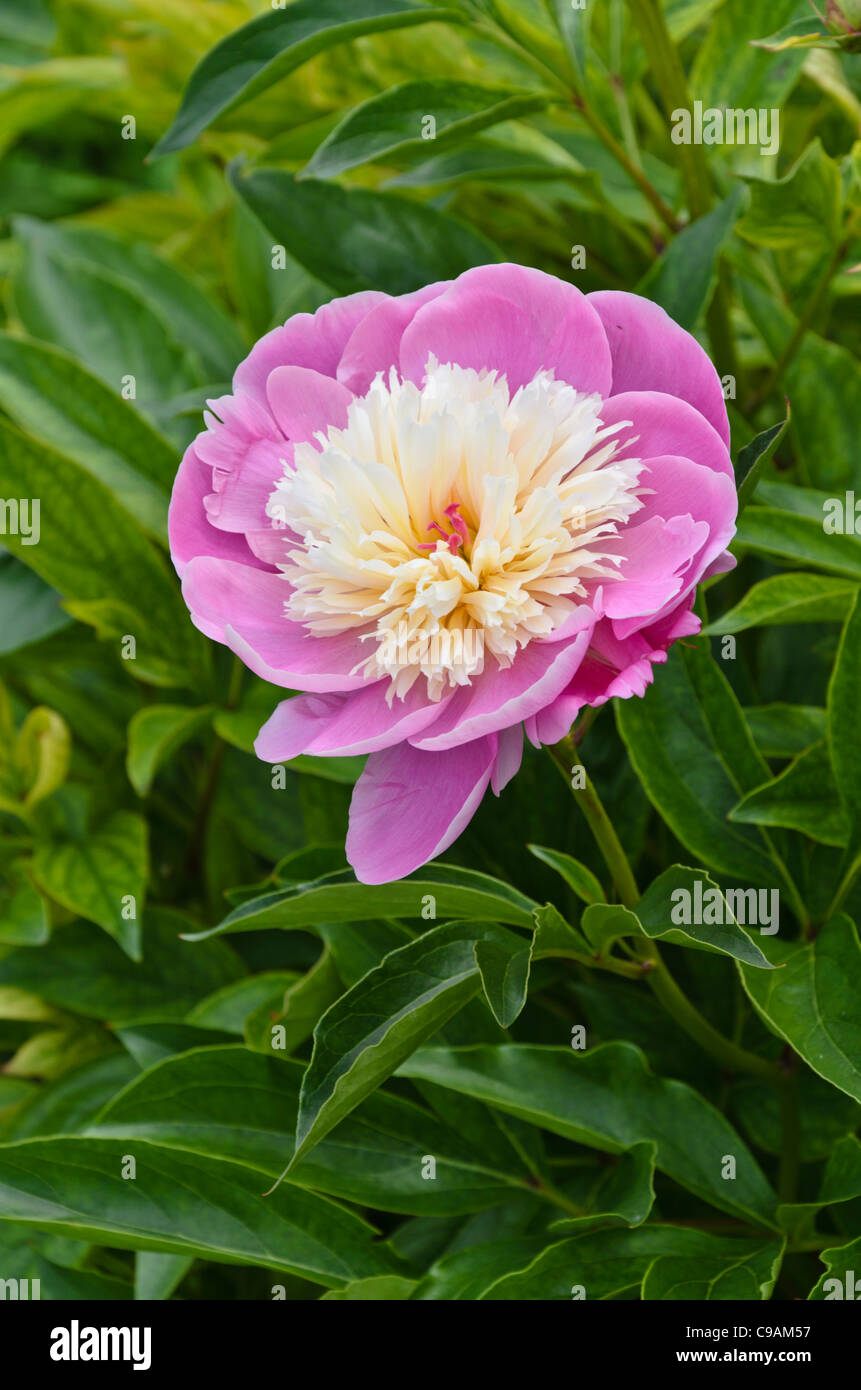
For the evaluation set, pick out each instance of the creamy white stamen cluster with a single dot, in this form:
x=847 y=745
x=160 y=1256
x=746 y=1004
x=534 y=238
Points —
x=452 y=511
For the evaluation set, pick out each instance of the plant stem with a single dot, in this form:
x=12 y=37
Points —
x=790 y=1139
x=634 y=172
x=664 y=987
x=796 y=338
x=600 y=824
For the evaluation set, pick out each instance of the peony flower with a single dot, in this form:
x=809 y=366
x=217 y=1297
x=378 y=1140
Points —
x=452 y=518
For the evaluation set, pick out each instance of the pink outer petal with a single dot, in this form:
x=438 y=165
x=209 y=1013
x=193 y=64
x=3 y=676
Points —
x=189 y=531
x=587 y=688
x=344 y=725
x=243 y=607
x=374 y=345
x=657 y=554
x=508 y=758
x=652 y=353
x=305 y=402
x=409 y=806
x=306 y=340
x=662 y=424
x=499 y=698
x=515 y=320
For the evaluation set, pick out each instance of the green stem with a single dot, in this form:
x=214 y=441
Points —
x=565 y=756
x=802 y=326
x=790 y=1140
x=664 y=987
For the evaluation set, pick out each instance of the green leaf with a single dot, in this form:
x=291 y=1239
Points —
x=753 y=458
x=504 y=971
x=804 y=797
x=783 y=731
x=841 y=1183
x=386 y=1016
x=72 y=1101
x=604 y=923
x=339 y=898
x=86 y=971
x=227 y=1102
x=682 y=764
x=51 y=396
x=627 y=1196
x=42 y=753
x=178 y=1205
x=607 y=1264
x=228 y=1008
x=24 y=919
x=383 y=1288
x=608 y=1099
x=95 y=316
x=190 y=315
x=804 y=207
x=392 y=123
x=812 y=1002
x=840 y=1281
x=157 y=1276
x=26 y=1255
x=373 y=240
x=94 y=549
x=282 y=1022
x=844 y=713
x=152 y=1040
x=658 y=914
x=101 y=876
x=682 y=279
x=252 y=58
x=749 y=1273
x=788 y=598
x=155 y=734
x=579 y=879
x=29 y=609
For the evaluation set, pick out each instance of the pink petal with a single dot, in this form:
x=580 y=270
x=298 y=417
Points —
x=588 y=687
x=409 y=806
x=374 y=345
x=514 y=320
x=304 y=402
x=508 y=758
x=652 y=353
x=499 y=697
x=306 y=340
x=662 y=424
x=244 y=608
x=189 y=532
x=656 y=556
x=344 y=725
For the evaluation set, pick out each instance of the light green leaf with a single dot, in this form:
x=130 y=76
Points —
x=157 y=1276
x=804 y=207
x=391 y=124
x=504 y=971
x=155 y=734
x=51 y=396
x=252 y=58
x=287 y=1018
x=228 y=1008
x=101 y=876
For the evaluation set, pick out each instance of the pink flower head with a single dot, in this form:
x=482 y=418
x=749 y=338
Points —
x=450 y=517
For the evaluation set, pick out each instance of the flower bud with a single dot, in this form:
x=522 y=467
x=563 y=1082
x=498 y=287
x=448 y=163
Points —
x=843 y=16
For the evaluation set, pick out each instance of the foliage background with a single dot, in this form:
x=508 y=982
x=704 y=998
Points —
x=120 y=1036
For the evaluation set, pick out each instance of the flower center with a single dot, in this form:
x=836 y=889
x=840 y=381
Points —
x=529 y=485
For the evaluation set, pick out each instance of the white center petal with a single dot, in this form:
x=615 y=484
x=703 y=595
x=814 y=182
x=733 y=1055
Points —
x=453 y=521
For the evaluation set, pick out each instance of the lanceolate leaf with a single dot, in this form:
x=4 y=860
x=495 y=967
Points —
x=252 y=58
x=387 y=1015
x=393 y=124
x=788 y=598
x=440 y=892
x=182 y=1205
x=607 y=1098
x=373 y=240
x=804 y=797
x=812 y=1002
x=754 y=456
